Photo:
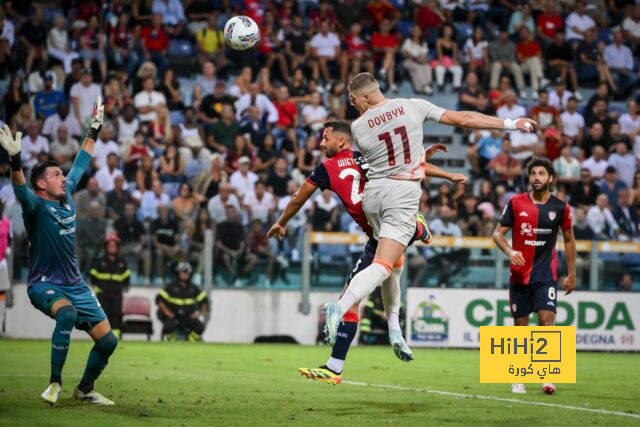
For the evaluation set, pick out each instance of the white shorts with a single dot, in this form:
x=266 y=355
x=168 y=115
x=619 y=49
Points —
x=391 y=206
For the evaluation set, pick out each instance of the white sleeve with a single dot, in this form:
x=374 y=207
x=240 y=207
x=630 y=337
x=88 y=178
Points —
x=426 y=109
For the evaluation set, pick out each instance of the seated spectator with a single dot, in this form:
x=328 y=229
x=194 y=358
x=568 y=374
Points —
x=207 y=183
x=288 y=119
x=148 y=100
x=447 y=260
x=232 y=247
x=529 y=54
x=33 y=35
x=619 y=60
x=15 y=97
x=357 y=54
x=92 y=46
x=552 y=141
x=133 y=238
x=337 y=102
x=476 y=53
x=520 y=18
x=170 y=88
x=173 y=17
x=314 y=114
x=325 y=50
x=127 y=125
x=572 y=123
x=447 y=59
x=591 y=64
x=559 y=97
x=624 y=162
x=549 y=23
x=601 y=220
x=578 y=23
x=122 y=45
x=385 y=46
x=205 y=82
x=611 y=185
x=146 y=173
x=307 y=159
x=165 y=239
x=259 y=247
x=90 y=233
x=600 y=114
x=259 y=204
x=182 y=305
x=171 y=165
x=266 y=155
x=91 y=193
x=243 y=180
x=73 y=77
x=279 y=178
x=195 y=237
x=324 y=212
x=268 y=111
x=597 y=163
x=33 y=144
x=116 y=96
x=415 y=51
x=106 y=174
x=482 y=152
x=602 y=93
x=104 y=146
x=630 y=122
x=242 y=83
x=240 y=149
x=46 y=102
x=185 y=204
x=505 y=168
x=631 y=27
x=210 y=108
x=270 y=47
x=626 y=217
x=545 y=114
x=296 y=44
x=151 y=200
x=626 y=282
x=7 y=39
x=217 y=206
x=83 y=96
x=585 y=191
x=210 y=42
x=118 y=198
x=64 y=148
x=559 y=57
x=502 y=54
x=581 y=229
x=155 y=42
x=567 y=167
x=595 y=138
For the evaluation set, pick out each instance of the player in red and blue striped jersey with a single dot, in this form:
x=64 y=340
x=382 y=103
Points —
x=534 y=219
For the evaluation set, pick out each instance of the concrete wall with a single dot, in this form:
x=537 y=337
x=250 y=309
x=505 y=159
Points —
x=237 y=315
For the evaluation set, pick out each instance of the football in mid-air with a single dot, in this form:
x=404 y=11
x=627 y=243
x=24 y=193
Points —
x=241 y=32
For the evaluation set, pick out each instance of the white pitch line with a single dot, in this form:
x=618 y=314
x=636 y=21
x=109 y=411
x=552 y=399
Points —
x=500 y=399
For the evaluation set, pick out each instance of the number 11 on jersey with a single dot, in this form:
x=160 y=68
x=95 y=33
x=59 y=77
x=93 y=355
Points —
x=386 y=137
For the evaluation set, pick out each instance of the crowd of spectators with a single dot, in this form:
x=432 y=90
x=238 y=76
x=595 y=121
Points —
x=228 y=152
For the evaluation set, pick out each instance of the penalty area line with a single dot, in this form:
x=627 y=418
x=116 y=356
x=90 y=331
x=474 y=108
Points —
x=495 y=398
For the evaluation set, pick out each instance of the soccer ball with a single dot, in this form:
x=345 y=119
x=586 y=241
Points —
x=241 y=32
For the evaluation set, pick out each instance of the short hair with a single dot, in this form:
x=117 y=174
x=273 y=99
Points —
x=362 y=81
x=39 y=169
x=339 y=126
x=545 y=163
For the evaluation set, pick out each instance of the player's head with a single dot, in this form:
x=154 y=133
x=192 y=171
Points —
x=335 y=137
x=364 y=91
x=48 y=180
x=541 y=174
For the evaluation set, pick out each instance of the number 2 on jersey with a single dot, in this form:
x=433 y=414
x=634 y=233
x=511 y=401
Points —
x=356 y=195
x=386 y=137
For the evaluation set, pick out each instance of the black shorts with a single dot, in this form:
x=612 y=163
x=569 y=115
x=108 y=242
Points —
x=524 y=299
x=365 y=259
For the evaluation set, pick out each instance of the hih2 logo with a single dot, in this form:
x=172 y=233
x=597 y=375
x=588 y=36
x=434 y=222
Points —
x=430 y=323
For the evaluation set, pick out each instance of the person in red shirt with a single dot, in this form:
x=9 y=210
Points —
x=155 y=42
x=121 y=44
x=357 y=54
x=506 y=170
x=385 y=45
x=529 y=54
x=381 y=10
x=288 y=120
x=549 y=22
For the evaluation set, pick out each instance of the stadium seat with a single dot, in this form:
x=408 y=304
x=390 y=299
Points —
x=136 y=316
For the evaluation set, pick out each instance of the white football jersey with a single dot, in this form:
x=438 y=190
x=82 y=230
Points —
x=389 y=136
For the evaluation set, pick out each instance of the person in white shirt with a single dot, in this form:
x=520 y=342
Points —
x=567 y=166
x=151 y=200
x=128 y=124
x=601 y=220
x=325 y=48
x=624 y=162
x=630 y=125
x=32 y=145
x=619 y=59
x=521 y=143
x=597 y=163
x=243 y=180
x=217 y=205
x=64 y=149
x=559 y=97
x=631 y=25
x=415 y=51
x=260 y=100
x=259 y=203
x=58 y=43
x=107 y=174
x=572 y=122
x=148 y=100
x=7 y=37
x=314 y=114
x=61 y=118
x=578 y=22
x=83 y=95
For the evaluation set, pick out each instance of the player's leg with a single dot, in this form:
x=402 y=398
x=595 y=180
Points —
x=391 y=299
x=521 y=304
x=545 y=304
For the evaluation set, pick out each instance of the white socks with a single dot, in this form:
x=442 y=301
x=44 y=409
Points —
x=363 y=284
x=391 y=298
x=335 y=365
x=347 y=300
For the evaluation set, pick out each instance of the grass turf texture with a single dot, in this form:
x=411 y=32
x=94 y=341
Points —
x=206 y=384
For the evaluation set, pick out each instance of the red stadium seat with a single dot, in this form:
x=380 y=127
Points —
x=136 y=316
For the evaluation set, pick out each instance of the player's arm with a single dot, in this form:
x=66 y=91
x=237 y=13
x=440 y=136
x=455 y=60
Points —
x=83 y=158
x=475 y=120
x=500 y=239
x=436 y=172
x=13 y=147
x=298 y=200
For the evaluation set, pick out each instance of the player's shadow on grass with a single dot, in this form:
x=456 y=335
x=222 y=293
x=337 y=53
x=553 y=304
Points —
x=419 y=408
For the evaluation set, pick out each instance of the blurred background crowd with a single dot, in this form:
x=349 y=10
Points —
x=200 y=137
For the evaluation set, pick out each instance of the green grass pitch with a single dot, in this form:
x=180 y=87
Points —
x=214 y=384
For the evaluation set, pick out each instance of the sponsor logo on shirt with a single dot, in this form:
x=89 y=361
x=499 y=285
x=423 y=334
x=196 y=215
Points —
x=526 y=229
x=543 y=230
x=67 y=231
x=534 y=243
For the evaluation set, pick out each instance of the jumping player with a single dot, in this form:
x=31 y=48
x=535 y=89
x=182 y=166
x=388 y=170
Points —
x=344 y=172
x=55 y=286
x=389 y=133
x=534 y=218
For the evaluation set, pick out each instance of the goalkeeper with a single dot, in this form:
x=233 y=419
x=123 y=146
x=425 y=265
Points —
x=55 y=286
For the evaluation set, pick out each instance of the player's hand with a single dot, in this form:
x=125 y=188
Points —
x=569 y=284
x=458 y=177
x=516 y=258
x=277 y=231
x=526 y=125
x=97 y=118
x=433 y=149
x=13 y=146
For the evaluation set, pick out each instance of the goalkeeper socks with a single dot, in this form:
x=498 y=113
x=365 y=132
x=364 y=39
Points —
x=346 y=332
x=98 y=358
x=65 y=319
